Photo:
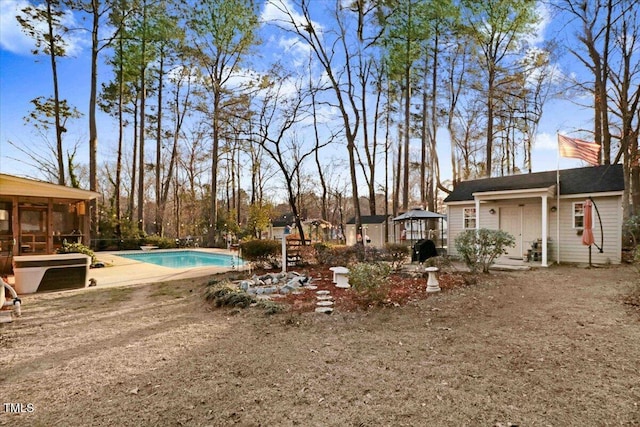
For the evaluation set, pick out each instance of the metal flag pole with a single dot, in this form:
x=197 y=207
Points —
x=558 y=202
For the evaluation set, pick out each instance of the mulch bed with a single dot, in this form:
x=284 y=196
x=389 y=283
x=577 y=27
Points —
x=402 y=289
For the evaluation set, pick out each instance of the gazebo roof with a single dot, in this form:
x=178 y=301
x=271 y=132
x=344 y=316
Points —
x=418 y=214
x=369 y=219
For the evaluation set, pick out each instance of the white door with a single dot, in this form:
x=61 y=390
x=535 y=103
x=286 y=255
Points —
x=511 y=222
x=532 y=225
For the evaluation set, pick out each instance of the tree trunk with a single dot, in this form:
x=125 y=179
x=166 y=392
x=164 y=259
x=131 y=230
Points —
x=635 y=187
x=407 y=134
x=56 y=95
x=424 y=143
x=490 y=123
x=214 y=171
x=118 y=185
x=134 y=157
x=143 y=96
x=93 y=131
x=159 y=201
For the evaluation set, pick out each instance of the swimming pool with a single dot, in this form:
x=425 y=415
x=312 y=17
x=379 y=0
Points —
x=184 y=259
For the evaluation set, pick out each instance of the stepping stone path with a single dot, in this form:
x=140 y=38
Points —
x=325 y=302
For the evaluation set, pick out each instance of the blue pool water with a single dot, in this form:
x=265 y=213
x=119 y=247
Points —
x=185 y=259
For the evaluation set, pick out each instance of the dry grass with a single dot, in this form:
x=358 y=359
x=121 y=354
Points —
x=551 y=347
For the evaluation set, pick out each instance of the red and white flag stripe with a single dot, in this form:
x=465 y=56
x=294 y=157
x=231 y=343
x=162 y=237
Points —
x=579 y=149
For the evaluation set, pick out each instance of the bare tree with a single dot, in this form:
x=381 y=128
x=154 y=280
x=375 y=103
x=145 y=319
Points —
x=223 y=32
x=44 y=25
x=498 y=28
x=278 y=113
x=333 y=52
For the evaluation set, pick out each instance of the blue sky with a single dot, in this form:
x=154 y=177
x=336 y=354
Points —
x=24 y=76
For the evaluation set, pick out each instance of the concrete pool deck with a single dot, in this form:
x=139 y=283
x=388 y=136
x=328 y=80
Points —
x=120 y=271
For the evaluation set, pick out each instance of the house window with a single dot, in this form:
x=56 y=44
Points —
x=5 y=218
x=469 y=217
x=578 y=215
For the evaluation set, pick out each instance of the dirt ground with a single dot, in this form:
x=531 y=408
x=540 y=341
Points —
x=550 y=347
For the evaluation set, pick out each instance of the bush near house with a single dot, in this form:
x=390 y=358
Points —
x=76 y=248
x=370 y=281
x=480 y=248
x=262 y=251
x=631 y=232
x=160 y=242
x=336 y=254
x=397 y=254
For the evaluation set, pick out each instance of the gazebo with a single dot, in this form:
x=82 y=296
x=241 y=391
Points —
x=414 y=223
x=36 y=217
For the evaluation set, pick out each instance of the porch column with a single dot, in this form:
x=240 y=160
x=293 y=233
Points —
x=544 y=230
x=477 y=214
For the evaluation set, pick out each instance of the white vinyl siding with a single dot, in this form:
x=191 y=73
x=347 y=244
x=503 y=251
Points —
x=454 y=227
x=374 y=231
x=455 y=221
x=571 y=248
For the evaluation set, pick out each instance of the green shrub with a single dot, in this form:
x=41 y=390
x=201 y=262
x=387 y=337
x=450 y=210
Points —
x=270 y=307
x=224 y=294
x=262 y=251
x=480 y=248
x=336 y=255
x=631 y=232
x=397 y=254
x=322 y=252
x=76 y=248
x=441 y=262
x=370 y=281
x=373 y=254
x=160 y=242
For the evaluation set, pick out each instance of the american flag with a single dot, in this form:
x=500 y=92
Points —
x=579 y=149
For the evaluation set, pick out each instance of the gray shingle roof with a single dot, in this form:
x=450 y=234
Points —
x=592 y=179
x=369 y=219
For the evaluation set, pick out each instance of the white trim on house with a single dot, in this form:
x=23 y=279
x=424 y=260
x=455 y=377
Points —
x=462 y=202
x=518 y=194
x=543 y=192
x=587 y=195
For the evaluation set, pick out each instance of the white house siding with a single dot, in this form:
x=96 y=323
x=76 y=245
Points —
x=455 y=221
x=531 y=215
x=374 y=231
x=573 y=251
x=454 y=225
